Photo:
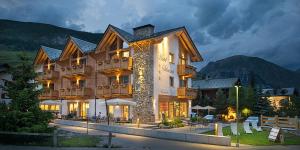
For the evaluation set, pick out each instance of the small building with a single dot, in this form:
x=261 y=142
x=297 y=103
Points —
x=209 y=87
x=277 y=95
x=4 y=77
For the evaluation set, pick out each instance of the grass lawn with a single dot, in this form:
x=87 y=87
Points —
x=258 y=138
x=76 y=141
x=82 y=141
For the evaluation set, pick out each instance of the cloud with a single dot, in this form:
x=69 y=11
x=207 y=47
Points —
x=220 y=28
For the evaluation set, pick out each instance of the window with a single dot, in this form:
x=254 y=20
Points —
x=182 y=83
x=81 y=83
x=172 y=81
x=125 y=54
x=171 y=58
x=112 y=80
x=124 y=79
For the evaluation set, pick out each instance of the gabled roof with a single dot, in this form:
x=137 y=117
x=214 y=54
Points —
x=85 y=46
x=130 y=38
x=127 y=36
x=47 y=52
x=214 y=83
x=279 y=92
x=52 y=53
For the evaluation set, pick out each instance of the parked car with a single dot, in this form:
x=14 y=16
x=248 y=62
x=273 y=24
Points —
x=252 y=119
x=210 y=118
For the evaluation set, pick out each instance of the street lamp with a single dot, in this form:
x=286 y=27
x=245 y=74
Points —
x=237 y=86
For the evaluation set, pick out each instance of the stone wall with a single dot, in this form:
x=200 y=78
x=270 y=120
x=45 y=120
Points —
x=143 y=82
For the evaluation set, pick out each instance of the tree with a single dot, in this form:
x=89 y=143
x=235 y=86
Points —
x=262 y=106
x=220 y=102
x=290 y=107
x=23 y=113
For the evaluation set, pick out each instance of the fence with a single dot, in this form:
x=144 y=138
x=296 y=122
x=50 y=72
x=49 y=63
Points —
x=282 y=122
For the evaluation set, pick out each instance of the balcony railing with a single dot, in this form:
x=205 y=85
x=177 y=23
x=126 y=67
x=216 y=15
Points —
x=49 y=94
x=48 y=75
x=118 y=90
x=187 y=93
x=79 y=70
x=114 y=65
x=186 y=70
x=75 y=92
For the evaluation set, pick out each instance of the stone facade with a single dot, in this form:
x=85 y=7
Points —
x=143 y=82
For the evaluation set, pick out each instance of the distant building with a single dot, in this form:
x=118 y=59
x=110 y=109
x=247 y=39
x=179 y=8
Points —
x=4 y=77
x=277 y=95
x=209 y=87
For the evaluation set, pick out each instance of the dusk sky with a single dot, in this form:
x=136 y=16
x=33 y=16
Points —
x=269 y=29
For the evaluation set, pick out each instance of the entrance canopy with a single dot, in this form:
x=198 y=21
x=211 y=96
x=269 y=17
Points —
x=209 y=107
x=197 y=107
x=118 y=101
x=50 y=102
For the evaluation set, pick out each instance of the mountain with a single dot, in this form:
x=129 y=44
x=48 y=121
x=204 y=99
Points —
x=251 y=70
x=18 y=36
x=298 y=70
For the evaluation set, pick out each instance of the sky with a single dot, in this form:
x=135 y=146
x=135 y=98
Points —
x=268 y=29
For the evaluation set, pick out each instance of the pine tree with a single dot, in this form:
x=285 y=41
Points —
x=220 y=102
x=263 y=105
x=23 y=112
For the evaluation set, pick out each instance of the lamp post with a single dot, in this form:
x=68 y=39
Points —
x=237 y=86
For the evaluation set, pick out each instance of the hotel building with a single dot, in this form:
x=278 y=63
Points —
x=144 y=75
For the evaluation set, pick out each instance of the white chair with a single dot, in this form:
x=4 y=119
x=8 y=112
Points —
x=254 y=125
x=247 y=127
x=233 y=127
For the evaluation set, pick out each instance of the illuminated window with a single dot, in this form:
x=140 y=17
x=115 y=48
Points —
x=125 y=54
x=172 y=81
x=171 y=58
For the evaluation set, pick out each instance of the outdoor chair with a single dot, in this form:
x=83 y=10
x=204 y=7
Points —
x=247 y=127
x=254 y=125
x=233 y=127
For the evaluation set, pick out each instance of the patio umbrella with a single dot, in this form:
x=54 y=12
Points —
x=209 y=108
x=197 y=107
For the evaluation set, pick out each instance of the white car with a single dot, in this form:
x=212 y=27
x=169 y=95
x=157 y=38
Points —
x=210 y=118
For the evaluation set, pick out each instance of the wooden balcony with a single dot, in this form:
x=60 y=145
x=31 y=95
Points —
x=72 y=93
x=186 y=93
x=120 y=90
x=49 y=94
x=48 y=75
x=187 y=71
x=115 y=66
x=77 y=70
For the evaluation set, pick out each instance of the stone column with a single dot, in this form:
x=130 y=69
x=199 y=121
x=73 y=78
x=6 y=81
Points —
x=143 y=82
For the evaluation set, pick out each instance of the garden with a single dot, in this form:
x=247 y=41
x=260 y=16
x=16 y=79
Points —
x=258 y=138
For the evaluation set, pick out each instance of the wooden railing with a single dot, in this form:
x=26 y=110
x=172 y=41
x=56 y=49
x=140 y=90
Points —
x=186 y=70
x=117 y=64
x=117 y=90
x=283 y=122
x=75 y=92
x=48 y=75
x=49 y=94
x=189 y=93
x=79 y=70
